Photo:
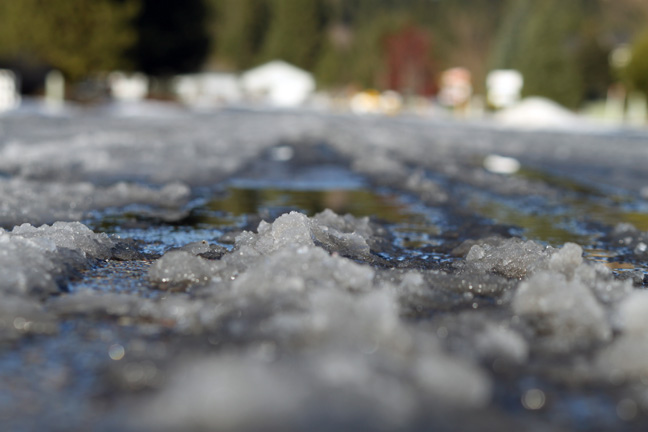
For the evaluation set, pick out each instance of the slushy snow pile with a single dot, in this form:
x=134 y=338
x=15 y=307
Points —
x=38 y=261
x=310 y=323
x=320 y=326
x=295 y=288
x=319 y=331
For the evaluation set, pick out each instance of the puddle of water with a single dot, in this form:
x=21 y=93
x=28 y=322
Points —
x=580 y=215
x=272 y=202
x=158 y=239
x=594 y=203
x=553 y=229
x=608 y=259
x=123 y=277
x=310 y=178
x=413 y=225
x=599 y=255
x=239 y=203
x=566 y=220
x=558 y=229
x=559 y=182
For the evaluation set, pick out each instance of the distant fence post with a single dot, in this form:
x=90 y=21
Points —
x=54 y=89
x=9 y=97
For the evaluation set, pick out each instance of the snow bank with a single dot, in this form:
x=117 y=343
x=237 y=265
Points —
x=625 y=358
x=537 y=112
x=291 y=285
x=39 y=260
x=37 y=202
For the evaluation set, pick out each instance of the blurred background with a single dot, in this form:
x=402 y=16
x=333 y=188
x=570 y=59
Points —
x=382 y=55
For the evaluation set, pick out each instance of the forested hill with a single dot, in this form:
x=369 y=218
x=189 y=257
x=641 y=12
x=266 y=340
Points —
x=561 y=47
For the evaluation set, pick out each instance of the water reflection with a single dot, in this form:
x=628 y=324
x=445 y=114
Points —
x=578 y=214
x=268 y=202
x=413 y=226
x=554 y=229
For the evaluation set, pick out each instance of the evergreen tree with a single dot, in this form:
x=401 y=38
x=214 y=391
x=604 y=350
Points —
x=545 y=50
x=295 y=33
x=172 y=36
x=636 y=72
x=240 y=28
x=79 y=37
x=463 y=35
x=507 y=50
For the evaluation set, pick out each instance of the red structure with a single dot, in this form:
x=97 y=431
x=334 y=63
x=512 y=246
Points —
x=410 y=69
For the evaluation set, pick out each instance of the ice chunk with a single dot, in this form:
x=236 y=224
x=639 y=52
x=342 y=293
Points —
x=601 y=280
x=485 y=243
x=344 y=234
x=70 y=235
x=367 y=322
x=41 y=260
x=549 y=301
x=566 y=260
x=289 y=229
x=512 y=258
x=179 y=269
x=26 y=265
x=423 y=291
x=325 y=229
x=204 y=249
x=297 y=269
x=345 y=224
x=517 y=259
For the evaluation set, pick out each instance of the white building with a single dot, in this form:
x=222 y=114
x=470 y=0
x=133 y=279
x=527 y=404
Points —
x=504 y=87
x=9 y=96
x=278 y=84
x=128 y=87
x=208 y=89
